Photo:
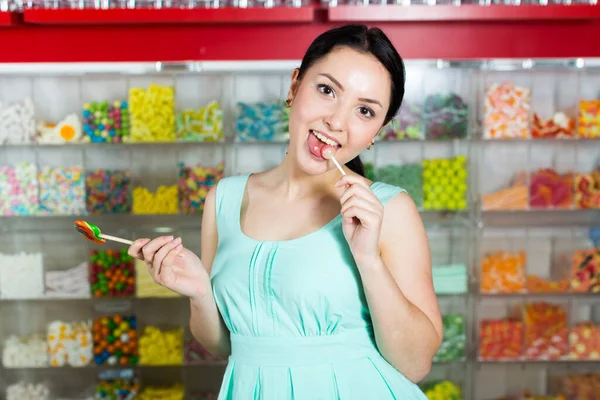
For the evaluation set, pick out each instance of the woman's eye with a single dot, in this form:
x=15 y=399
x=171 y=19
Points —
x=366 y=112
x=325 y=89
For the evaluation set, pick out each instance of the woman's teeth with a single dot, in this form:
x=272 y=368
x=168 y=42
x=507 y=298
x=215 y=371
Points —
x=325 y=140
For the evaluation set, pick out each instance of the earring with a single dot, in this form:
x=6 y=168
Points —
x=288 y=103
x=371 y=145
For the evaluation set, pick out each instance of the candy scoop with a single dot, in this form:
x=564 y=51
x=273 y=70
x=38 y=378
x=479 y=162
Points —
x=92 y=233
x=328 y=154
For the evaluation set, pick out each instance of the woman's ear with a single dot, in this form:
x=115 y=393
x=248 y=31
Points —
x=293 y=86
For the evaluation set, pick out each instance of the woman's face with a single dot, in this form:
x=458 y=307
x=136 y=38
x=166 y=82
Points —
x=342 y=99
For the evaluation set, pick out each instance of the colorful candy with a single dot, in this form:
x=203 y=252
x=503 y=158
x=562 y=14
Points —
x=194 y=184
x=585 y=271
x=161 y=348
x=500 y=339
x=112 y=273
x=262 y=122
x=445 y=116
x=108 y=192
x=25 y=352
x=580 y=386
x=560 y=126
x=152 y=114
x=549 y=189
x=537 y=284
x=445 y=184
x=506 y=111
x=515 y=197
x=584 y=341
x=587 y=190
x=69 y=344
x=115 y=340
x=407 y=124
x=62 y=191
x=19 y=189
x=145 y=285
x=117 y=385
x=164 y=201
x=203 y=125
x=453 y=344
x=589 y=119
x=408 y=176
x=90 y=231
x=545 y=331
x=21 y=276
x=17 y=122
x=106 y=122
x=443 y=390
x=503 y=272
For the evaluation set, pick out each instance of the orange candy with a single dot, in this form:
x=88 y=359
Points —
x=584 y=342
x=503 y=272
x=500 y=339
x=536 y=284
x=545 y=331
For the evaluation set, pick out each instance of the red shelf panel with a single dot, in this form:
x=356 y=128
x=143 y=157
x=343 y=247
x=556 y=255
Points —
x=464 y=13
x=165 y=16
x=8 y=18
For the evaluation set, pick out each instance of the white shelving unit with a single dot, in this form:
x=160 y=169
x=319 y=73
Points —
x=60 y=89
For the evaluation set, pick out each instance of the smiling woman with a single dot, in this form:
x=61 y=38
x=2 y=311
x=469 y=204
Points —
x=315 y=284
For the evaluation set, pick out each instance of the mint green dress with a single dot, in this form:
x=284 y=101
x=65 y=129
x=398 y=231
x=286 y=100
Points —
x=299 y=323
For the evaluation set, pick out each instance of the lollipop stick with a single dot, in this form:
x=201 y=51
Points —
x=337 y=164
x=115 y=239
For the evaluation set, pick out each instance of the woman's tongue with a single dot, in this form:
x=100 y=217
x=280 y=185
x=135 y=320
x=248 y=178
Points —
x=315 y=146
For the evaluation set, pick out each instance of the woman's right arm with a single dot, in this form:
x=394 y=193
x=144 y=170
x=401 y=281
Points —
x=206 y=323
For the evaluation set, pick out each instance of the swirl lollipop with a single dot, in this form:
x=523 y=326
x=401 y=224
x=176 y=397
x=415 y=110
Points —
x=92 y=233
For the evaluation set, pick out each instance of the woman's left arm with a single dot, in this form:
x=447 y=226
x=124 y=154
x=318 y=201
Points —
x=396 y=277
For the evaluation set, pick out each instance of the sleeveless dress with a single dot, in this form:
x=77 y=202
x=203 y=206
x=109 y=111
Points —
x=298 y=319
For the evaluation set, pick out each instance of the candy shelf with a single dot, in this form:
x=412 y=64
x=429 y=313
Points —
x=278 y=15
x=446 y=110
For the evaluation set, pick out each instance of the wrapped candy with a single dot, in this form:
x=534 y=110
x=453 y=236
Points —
x=262 y=122
x=584 y=341
x=589 y=119
x=408 y=176
x=549 y=189
x=406 y=125
x=445 y=116
x=587 y=190
x=560 y=126
x=194 y=184
x=506 y=111
x=585 y=271
x=203 y=125
x=545 y=331
x=515 y=197
x=500 y=339
x=503 y=272
x=453 y=345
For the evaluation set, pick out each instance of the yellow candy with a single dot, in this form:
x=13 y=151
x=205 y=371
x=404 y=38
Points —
x=161 y=348
x=165 y=201
x=152 y=114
